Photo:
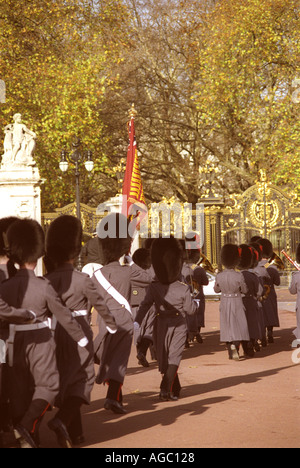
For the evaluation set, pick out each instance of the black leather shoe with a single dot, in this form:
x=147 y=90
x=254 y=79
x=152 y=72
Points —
x=63 y=437
x=234 y=353
x=78 y=440
x=142 y=360
x=270 y=338
x=23 y=437
x=165 y=396
x=264 y=342
x=199 y=338
x=114 y=406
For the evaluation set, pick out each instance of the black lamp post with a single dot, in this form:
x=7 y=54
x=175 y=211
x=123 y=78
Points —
x=76 y=158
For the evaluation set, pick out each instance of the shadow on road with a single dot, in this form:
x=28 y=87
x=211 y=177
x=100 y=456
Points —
x=145 y=411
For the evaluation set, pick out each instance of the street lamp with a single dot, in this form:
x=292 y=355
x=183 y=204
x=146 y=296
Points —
x=76 y=158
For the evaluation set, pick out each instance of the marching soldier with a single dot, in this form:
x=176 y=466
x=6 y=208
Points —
x=250 y=299
x=270 y=278
x=142 y=258
x=295 y=289
x=270 y=305
x=196 y=277
x=6 y=270
x=114 y=283
x=75 y=365
x=34 y=379
x=233 y=322
x=173 y=301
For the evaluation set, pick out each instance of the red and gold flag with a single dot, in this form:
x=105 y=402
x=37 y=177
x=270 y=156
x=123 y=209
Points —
x=134 y=205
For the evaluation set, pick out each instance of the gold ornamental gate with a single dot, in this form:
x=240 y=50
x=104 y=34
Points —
x=263 y=210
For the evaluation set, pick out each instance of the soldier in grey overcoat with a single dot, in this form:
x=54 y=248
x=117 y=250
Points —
x=114 y=283
x=75 y=365
x=144 y=336
x=173 y=301
x=251 y=298
x=6 y=270
x=295 y=289
x=231 y=284
x=271 y=278
x=34 y=378
x=195 y=276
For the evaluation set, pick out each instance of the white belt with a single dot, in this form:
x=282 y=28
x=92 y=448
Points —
x=75 y=313
x=80 y=313
x=13 y=329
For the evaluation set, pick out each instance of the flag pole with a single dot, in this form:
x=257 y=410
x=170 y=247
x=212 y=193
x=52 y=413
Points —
x=132 y=112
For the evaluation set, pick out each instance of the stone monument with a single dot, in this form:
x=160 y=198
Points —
x=20 y=193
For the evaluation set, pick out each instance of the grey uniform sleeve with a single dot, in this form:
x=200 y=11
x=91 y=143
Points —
x=145 y=306
x=189 y=305
x=244 y=287
x=293 y=287
x=139 y=276
x=217 y=288
x=12 y=315
x=63 y=315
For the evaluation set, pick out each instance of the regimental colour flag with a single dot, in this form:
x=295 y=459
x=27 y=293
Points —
x=134 y=205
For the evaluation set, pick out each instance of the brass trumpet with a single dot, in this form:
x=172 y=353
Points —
x=205 y=263
x=276 y=261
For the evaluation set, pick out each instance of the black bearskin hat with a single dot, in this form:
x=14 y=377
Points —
x=4 y=225
x=298 y=254
x=142 y=258
x=267 y=248
x=26 y=241
x=255 y=256
x=184 y=251
x=258 y=248
x=63 y=240
x=230 y=256
x=246 y=257
x=114 y=237
x=167 y=259
x=255 y=239
x=147 y=243
x=192 y=241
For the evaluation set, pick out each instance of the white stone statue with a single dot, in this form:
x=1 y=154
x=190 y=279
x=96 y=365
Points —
x=19 y=145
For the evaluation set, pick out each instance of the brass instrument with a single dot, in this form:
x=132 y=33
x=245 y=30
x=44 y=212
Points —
x=205 y=263
x=276 y=261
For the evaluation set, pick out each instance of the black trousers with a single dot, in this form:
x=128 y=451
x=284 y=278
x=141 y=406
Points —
x=170 y=382
x=70 y=414
x=114 y=391
x=34 y=415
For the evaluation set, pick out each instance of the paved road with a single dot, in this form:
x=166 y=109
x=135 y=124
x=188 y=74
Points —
x=251 y=403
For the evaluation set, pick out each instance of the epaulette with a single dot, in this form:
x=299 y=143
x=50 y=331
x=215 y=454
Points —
x=181 y=282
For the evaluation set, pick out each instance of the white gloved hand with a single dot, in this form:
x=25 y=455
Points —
x=129 y=260
x=83 y=342
x=112 y=332
x=33 y=316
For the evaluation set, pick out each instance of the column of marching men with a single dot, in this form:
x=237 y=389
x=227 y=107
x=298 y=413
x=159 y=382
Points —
x=48 y=351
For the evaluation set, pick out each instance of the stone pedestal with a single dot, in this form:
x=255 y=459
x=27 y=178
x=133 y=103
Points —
x=20 y=194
